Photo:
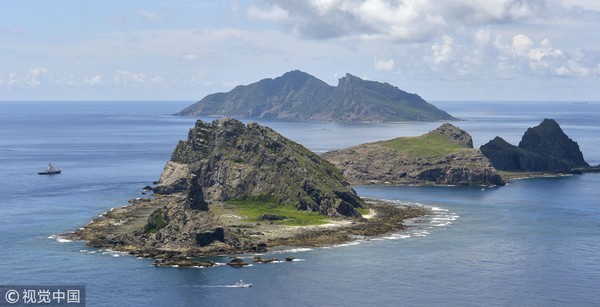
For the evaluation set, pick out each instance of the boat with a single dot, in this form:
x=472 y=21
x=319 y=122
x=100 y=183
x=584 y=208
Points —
x=242 y=284
x=50 y=170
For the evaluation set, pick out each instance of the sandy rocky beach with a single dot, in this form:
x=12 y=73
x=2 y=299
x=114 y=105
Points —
x=113 y=229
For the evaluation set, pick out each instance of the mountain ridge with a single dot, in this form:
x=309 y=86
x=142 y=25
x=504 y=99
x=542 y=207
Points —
x=301 y=96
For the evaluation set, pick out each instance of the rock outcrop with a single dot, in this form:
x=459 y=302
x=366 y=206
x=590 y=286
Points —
x=443 y=156
x=544 y=148
x=298 y=95
x=228 y=160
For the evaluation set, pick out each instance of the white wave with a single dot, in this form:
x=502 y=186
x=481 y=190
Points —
x=59 y=239
x=352 y=243
x=294 y=250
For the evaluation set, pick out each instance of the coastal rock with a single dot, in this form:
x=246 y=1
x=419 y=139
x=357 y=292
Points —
x=544 y=148
x=455 y=135
x=298 y=95
x=443 y=156
x=237 y=263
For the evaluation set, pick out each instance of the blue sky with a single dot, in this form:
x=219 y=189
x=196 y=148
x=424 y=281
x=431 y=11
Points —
x=184 y=50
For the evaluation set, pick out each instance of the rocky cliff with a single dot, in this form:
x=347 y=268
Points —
x=544 y=148
x=298 y=95
x=443 y=156
x=227 y=160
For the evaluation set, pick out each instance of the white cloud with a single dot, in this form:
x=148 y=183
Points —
x=126 y=77
x=35 y=76
x=521 y=45
x=384 y=65
x=189 y=57
x=12 y=79
x=95 y=80
x=443 y=52
x=149 y=16
x=268 y=13
x=399 y=20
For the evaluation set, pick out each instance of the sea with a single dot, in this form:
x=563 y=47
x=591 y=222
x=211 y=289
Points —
x=534 y=242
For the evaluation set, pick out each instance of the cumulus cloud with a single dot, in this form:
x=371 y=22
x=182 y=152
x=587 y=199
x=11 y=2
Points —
x=272 y=12
x=95 y=80
x=127 y=77
x=444 y=51
x=35 y=76
x=384 y=65
x=400 y=20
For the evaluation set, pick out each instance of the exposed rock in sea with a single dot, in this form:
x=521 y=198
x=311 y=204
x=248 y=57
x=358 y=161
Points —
x=298 y=95
x=544 y=148
x=443 y=156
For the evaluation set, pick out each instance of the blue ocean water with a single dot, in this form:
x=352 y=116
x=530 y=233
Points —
x=535 y=242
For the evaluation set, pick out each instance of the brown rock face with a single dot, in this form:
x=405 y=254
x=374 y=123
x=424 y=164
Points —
x=455 y=135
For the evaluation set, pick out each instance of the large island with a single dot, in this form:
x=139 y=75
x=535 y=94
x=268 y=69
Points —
x=300 y=96
x=233 y=188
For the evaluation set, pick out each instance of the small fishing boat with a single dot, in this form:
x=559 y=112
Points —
x=50 y=170
x=242 y=284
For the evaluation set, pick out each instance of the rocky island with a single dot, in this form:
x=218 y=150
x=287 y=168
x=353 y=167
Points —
x=444 y=156
x=232 y=188
x=298 y=95
x=543 y=149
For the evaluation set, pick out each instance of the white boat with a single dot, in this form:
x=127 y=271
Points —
x=242 y=284
x=50 y=170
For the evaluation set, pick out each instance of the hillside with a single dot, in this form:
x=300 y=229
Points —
x=298 y=95
x=443 y=156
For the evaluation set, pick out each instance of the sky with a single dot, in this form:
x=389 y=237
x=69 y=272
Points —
x=185 y=50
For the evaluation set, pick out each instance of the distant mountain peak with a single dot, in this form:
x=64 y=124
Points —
x=299 y=95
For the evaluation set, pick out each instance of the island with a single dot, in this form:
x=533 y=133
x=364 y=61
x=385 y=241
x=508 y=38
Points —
x=232 y=188
x=300 y=96
x=543 y=150
x=444 y=156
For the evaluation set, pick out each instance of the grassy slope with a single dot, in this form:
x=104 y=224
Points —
x=253 y=208
x=427 y=145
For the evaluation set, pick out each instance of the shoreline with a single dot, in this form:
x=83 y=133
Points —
x=118 y=230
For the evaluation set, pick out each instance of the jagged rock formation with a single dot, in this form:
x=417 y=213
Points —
x=298 y=95
x=443 y=156
x=455 y=135
x=228 y=160
x=544 y=148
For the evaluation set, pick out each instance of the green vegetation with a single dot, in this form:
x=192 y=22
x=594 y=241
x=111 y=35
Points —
x=156 y=222
x=363 y=211
x=428 y=145
x=254 y=207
